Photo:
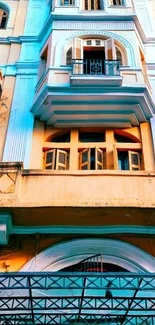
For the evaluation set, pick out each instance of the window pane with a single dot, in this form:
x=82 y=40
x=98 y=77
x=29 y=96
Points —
x=98 y=42
x=89 y=42
x=134 y=159
x=62 y=138
x=48 y=167
x=49 y=157
x=61 y=167
x=135 y=168
x=85 y=167
x=99 y=156
x=62 y=158
x=123 y=162
x=99 y=166
x=85 y=157
x=91 y=137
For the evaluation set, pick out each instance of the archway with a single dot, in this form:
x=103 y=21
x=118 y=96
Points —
x=71 y=252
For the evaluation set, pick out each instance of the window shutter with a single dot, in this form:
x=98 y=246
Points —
x=78 y=56
x=115 y=158
x=96 y=4
x=110 y=51
x=49 y=159
x=134 y=160
x=61 y=160
x=98 y=158
x=84 y=157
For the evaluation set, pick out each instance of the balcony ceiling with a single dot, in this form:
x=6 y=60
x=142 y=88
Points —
x=94 y=106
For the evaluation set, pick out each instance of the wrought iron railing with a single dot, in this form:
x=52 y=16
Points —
x=96 y=67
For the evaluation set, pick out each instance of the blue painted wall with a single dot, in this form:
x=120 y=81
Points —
x=20 y=128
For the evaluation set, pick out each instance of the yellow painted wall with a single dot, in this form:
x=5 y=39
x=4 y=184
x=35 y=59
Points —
x=142 y=137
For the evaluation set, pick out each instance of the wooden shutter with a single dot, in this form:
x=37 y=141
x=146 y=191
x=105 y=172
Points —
x=1 y=16
x=98 y=158
x=96 y=4
x=134 y=160
x=61 y=160
x=110 y=51
x=49 y=159
x=84 y=157
x=78 y=56
x=115 y=153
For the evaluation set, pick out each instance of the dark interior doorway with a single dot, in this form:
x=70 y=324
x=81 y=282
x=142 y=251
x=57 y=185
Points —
x=93 y=60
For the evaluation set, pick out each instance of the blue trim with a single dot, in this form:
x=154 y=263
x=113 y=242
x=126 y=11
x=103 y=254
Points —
x=94 y=230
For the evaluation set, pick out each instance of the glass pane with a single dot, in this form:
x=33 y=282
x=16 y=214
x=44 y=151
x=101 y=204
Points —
x=134 y=159
x=99 y=156
x=84 y=157
x=48 y=167
x=89 y=42
x=85 y=167
x=98 y=42
x=135 y=168
x=49 y=157
x=62 y=158
x=99 y=166
x=61 y=167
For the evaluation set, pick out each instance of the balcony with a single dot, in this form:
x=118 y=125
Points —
x=77 y=298
x=96 y=72
x=82 y=188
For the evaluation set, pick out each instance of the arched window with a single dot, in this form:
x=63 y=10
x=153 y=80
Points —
x=69 y=56
x=3 y=18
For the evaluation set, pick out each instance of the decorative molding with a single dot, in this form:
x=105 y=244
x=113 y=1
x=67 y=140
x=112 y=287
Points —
x=7 y=183
x=71 y=252
x=94 y=25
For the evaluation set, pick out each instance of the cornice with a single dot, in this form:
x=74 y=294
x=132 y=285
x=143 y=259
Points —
x=47 y=28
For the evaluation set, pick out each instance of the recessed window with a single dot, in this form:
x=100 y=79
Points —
x=117 y=2
x=92 y=159
x=61 y=138
x=123 y=139
x=91 y=137
x=3 y=18
x=56 y=159
x=129 y=160
x=43 y=62
x=93 y=5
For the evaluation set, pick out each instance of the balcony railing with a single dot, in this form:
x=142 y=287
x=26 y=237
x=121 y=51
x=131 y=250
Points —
x=96 y=67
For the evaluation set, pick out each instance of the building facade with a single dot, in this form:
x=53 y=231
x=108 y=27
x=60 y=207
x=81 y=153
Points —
x=77 y=170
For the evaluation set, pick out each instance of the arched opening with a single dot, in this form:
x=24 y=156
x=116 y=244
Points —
x=72 y=252
x=3 y=18
x=95 y=56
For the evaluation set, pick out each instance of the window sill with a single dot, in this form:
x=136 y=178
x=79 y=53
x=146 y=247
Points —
x=104 y=172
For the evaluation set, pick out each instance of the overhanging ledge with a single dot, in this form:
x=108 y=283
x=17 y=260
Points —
x=105 y=106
